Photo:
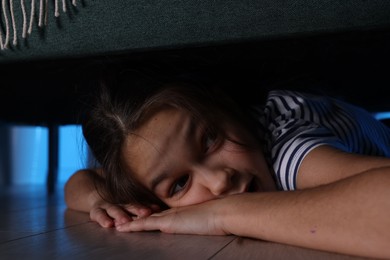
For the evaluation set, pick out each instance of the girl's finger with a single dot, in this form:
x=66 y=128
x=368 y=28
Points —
x=118 y=214
x=142 y=224
x=100 y=216
x=141 y=211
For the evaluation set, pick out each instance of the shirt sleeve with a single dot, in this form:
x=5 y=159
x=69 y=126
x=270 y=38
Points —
x=295 y=123
x=290 y=145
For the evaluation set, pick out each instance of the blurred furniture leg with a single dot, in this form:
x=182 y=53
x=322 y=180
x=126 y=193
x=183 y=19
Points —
x=53 y=158
x=5 y=155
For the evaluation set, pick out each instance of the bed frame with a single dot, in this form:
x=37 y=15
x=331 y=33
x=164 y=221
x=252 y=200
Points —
x=50 y=48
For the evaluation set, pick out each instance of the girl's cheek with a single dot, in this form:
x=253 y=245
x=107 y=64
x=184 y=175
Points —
x=192 y=197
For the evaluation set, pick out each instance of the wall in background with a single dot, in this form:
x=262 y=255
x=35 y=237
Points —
x=28 y=154
x=28 y=150
x=73 y=153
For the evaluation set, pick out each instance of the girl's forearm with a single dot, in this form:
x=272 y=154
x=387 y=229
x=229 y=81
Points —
x=350 y=216
x=80 y=190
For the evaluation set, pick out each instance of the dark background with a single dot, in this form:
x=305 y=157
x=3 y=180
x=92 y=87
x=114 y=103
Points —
x=351 y=65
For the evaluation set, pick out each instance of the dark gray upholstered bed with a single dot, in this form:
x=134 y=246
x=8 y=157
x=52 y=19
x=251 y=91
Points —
x=37 y=68
x=98 y=27
x=341 y=47
x=37 y=72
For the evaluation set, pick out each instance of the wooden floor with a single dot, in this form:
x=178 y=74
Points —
x=34 y=225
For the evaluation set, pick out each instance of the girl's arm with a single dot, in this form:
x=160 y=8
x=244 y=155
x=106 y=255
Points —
x=347 y=215
x=80 y=190
x=351 y=216
x=81 y=194
x=326 y=164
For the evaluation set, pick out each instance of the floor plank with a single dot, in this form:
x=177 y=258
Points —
x=6 y=236
x=34 y=225
x=34 y=221
x=22 y=197
x=88 y=241
x=28 y=210
x=244 y=248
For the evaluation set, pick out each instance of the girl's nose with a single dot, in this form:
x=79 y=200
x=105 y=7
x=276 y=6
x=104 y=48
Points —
x=218 y=182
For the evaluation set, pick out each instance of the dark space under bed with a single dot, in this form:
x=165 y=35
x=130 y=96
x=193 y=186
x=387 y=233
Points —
x=333 y=47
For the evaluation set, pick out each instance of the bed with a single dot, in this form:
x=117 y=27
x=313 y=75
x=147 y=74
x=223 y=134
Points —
x=50 y=48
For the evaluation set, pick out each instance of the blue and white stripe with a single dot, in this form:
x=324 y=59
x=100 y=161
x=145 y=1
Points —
x=292 y=124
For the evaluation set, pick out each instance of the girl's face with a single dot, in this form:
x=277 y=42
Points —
x=178 y=161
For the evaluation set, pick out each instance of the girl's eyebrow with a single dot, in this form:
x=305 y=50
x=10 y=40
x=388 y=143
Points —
x=157 y=179
x=189 y=132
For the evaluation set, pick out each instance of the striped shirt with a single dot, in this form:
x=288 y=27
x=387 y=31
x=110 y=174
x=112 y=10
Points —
x=292 y=124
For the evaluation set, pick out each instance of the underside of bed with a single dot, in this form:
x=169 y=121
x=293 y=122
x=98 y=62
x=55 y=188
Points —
x=53 y=50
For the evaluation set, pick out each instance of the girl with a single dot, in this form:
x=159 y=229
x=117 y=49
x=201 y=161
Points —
x=183 y=157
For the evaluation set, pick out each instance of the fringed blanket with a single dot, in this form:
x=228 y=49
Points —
x=29 y=9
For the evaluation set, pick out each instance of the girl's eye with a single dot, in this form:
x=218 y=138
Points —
x=179 y=185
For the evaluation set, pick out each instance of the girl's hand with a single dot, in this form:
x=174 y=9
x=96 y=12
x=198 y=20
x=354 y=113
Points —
x=201 y=219
x=110 y=215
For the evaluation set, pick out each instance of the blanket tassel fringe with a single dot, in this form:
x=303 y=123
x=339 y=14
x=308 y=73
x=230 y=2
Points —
x=7 y=16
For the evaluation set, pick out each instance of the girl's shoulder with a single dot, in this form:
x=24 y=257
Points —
x=296 y=104
x=296 y=97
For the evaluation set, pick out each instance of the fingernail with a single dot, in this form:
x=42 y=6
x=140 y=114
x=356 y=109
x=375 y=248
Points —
x=119 y=227
x=145 y=211
x=123 y=221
